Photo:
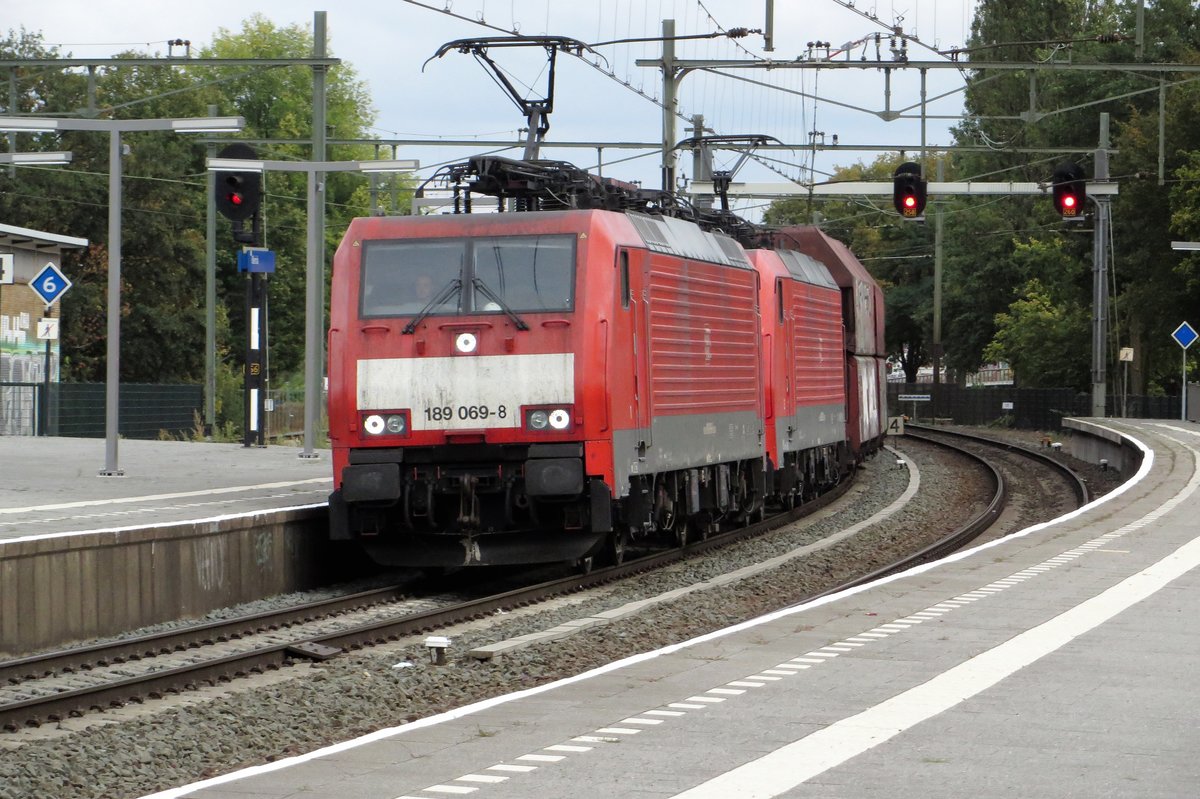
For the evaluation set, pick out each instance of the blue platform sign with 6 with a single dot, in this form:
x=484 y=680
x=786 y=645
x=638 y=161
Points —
x=50 y=284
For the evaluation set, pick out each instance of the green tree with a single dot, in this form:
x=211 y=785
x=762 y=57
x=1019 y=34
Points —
x=164 y=197
x=1044 y=338
x=984 y=273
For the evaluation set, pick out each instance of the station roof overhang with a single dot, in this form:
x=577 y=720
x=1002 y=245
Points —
x=25 y=238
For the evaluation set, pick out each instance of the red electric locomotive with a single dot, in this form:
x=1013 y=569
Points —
x=544 y=385
x=805 y=374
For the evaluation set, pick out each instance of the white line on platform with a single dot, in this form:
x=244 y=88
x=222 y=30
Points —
x=88 y=503
x=390 y=732
x=796 y=763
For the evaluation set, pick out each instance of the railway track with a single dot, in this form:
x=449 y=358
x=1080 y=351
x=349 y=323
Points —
x=1048 y=486
x=59 y=685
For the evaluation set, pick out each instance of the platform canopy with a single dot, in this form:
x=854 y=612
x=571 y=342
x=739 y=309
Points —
x=13 y=236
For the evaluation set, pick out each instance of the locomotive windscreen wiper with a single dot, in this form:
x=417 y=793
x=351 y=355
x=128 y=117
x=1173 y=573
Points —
x=448 y=291
x=482 y=288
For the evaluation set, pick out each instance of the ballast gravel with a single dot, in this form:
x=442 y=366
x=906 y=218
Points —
x=165 y=743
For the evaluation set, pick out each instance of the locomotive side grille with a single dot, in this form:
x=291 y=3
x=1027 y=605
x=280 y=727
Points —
x=817 y=345
x=703 y=338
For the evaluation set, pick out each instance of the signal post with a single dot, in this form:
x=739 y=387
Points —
x=239 y=198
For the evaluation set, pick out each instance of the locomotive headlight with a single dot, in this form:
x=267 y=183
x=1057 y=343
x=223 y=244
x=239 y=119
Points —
x=466 y=342
x=391 y=423
x=547 y=420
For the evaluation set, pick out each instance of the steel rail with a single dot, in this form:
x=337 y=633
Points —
x=63 y=704
x=1078 y=484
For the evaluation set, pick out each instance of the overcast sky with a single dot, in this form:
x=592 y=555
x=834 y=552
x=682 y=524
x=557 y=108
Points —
x=454 y=97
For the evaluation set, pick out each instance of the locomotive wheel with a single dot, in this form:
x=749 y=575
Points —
x=682 y=534
x=617 y=543
x=755 y=512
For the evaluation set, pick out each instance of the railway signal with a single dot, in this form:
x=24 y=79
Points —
x=238 y=193
x=1070 y=191
x=909 y=191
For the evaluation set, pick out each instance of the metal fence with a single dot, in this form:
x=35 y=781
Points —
x=77 y=409
x=1025 y=408
x=149 y=411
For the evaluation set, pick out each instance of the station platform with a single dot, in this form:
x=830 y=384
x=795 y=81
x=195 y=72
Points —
x=1057 y=662
x=52 y=486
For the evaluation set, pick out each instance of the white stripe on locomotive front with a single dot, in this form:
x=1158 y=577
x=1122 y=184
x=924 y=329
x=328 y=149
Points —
x=501 y=384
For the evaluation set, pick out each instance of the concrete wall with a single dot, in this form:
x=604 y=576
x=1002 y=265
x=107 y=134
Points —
x=1092 y=442
x=79 y=587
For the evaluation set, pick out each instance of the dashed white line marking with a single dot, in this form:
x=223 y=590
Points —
x=491 y=779
x=707 y=699
x=512 y=768
x=646 y=722
x=568 y=748
x=797 y=762
x=745 y=684
x=664 y=713
x=542 y=758
x=619 y=730
x=686 y=705
x=727 y=691
x=455 y=789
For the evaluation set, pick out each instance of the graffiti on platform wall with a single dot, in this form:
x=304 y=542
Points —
x=22 y=355
x=22 y=360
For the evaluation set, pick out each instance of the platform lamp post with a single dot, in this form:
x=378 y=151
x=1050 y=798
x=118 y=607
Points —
x=114 y=128
x=314 y=270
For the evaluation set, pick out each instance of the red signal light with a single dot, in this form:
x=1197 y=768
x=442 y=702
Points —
x=908 y=191
x=235 y=198
x=1069 y=190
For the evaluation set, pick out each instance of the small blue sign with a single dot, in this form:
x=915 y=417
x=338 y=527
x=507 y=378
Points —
x=256 y=259
x=1184 y=335
x=50 y=284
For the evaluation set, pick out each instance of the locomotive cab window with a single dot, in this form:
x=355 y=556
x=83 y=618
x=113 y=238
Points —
x=460 y=276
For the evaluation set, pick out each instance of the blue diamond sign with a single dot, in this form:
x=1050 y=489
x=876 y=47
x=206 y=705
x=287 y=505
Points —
x=1184 y=335
x=50 y=284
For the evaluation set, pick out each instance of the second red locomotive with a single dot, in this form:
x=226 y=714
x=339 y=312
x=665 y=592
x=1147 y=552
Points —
x=549 y=384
